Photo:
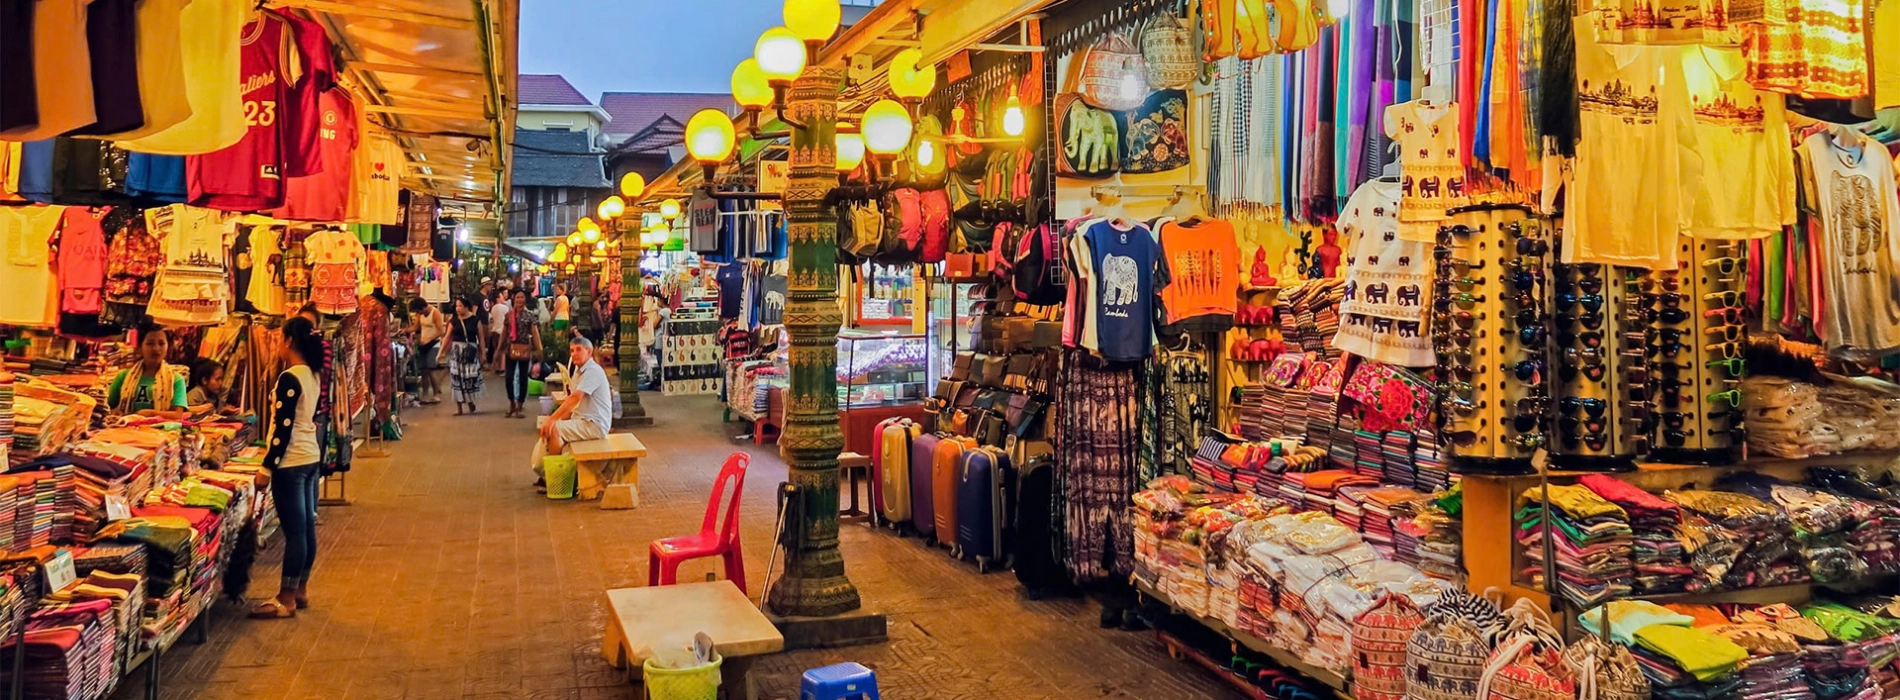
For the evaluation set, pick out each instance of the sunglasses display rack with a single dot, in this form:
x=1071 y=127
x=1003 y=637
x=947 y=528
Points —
x=1491 y=420
x=1696 y=339
x=1597 y=353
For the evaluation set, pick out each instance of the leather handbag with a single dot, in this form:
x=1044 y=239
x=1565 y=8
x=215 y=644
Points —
x=1028 y=419
x=1018 y=331
x=991 y=370
x=966 y=396
x=1017 y=373
x=990 y=429
x=986 y=399
x=1046 y=334
x=960 y=367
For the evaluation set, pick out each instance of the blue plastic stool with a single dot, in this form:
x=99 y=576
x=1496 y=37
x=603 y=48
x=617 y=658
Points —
x=838 y=682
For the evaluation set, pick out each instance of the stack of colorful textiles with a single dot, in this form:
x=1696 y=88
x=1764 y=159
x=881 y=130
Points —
x=1396 y=455
x=71 y=651
x=1820 y=522
x=1875 y=536
x=1736 y=541
x=1590 y=537
x=6 y=412
x=19 y=588
x=126 y=593
x=1433 y=473
x=1660 y=560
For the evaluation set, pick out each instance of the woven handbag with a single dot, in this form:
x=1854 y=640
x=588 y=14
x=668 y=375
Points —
x=1167 y=49
x=1605 y=671
x=1380 y=636
x=1445 y=658
x=1528 y=662
x=1114 y=76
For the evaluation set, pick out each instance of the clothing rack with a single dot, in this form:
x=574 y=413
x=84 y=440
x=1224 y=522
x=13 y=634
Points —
x=1145 y=190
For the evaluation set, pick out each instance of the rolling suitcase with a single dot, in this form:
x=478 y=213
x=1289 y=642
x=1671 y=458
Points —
x=986 y=495
x=1037 y=558
x=877 y=467
x=923 y=454
x=893 y=481
x=943 y=486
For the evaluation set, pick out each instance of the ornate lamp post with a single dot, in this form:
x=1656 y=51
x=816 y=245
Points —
x=627 y=353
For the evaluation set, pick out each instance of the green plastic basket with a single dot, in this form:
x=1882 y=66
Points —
x=696 y=683
x=560 y=473
x=536 y=387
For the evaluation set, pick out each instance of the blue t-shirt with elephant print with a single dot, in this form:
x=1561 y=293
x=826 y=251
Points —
x=1124 y=261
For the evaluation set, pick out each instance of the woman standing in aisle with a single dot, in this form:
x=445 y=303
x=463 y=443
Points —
x=152 y=387
x=293 y=466
x=523 y=334
x=464 y=354
x=429 y=328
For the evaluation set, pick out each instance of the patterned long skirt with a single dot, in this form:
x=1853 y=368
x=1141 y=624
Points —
x=465 y=371
x=1097 y=433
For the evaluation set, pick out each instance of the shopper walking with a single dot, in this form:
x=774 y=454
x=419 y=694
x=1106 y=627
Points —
x=586 y=414
x=464 y=354
x=523 y=334
x=497 y=330
x=429 y=329
x=563 y=310
x=293 y=468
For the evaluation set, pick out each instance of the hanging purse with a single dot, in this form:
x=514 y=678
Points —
x=1167 y=49
x=1114 y=76
x=960 y=367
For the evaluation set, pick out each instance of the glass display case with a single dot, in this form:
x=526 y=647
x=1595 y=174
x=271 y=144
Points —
x=952 y=317
x=881 y=368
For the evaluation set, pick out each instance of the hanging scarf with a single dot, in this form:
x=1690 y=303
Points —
x=164 y=386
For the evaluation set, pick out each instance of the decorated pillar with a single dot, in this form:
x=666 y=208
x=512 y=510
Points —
x=627 y=348
x=814 y=582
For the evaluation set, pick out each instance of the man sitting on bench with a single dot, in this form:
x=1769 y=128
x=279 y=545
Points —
x=586 y=414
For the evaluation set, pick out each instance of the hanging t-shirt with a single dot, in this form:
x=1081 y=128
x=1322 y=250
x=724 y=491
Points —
x=1624 y=204
x=112 y=45
x=156 y=178
x=1431 y=169
x=1741 y=181
x=1858 y=212
x=32 y=297
x=80 y=244
x=249 y=175
x=19 y=106
x=1811 y=49
x=325 y=195
x=1388 y=281
x=213 y=81
x=1124 y=264
x=161 y=68
x=377 y=165
x=266 y=288
x=192 y=288
x=1203 y=263
x=336 y=262
x=62 y=71
x=302 y=113
x=433 y=282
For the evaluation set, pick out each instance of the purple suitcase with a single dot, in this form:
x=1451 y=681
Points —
x=985 y=502
x=923 y=451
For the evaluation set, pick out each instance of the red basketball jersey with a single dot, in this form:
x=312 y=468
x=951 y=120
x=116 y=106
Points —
x=325 y=195
x=248 y=175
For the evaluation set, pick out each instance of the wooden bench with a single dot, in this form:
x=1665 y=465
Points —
x=608 y=464
x=640 y=620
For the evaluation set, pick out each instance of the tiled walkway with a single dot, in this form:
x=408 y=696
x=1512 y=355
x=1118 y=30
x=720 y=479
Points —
x=449 y=577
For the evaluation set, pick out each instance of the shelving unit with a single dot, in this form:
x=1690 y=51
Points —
x=1333 y=680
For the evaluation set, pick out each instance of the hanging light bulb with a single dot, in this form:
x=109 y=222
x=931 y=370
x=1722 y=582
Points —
x=813 y=20
x=926 y=155
x=781 y=55
x=887 y=128
x=1013 y=120
x=749 y=87
x=850 y=149
x=631 y=185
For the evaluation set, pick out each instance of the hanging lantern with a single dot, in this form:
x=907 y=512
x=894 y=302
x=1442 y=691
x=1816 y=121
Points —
x=611 y=208
x=749 y=87
x=781 y=55
x=670 y=209
x=813 y=20
x=910 y=81
x=1013 y=120
x=709 y=137
x=850 y=148
x=887 y=128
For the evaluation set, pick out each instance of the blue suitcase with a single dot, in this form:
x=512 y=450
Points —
x=923 y=451
x=986 y=485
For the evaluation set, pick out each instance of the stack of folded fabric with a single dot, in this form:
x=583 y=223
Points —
x=1433 y=474
x=1736 y=540
x=6 y=412
x=1820 y=521
x=19 y=588
x=1590 y=537
x=70 y=651
x=126 y=593
x=1660 y=560
x=1875 y=536
x=1686 y=663
x=1382 y=507
x=1369 y=453
x=1396 y=458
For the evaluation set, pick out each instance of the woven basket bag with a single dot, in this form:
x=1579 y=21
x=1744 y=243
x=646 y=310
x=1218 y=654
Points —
x=1167 y=46
x=1445 y=658
x=1114 y=77
x=1380 y=636
x=1605 y=671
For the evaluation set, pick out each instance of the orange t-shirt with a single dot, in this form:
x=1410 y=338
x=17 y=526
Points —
x=1203 y=266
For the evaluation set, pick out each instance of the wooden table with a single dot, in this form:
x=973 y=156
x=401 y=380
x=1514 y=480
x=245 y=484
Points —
x=660 y=617
x=612 y=461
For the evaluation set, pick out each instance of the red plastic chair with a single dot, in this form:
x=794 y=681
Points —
x=664 y=555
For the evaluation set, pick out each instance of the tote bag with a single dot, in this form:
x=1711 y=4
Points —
x=1114 y=75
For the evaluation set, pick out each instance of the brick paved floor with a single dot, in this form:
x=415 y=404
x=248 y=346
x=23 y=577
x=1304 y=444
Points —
x=448 y=577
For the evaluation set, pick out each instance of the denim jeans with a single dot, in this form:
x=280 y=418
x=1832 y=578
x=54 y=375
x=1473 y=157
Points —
x=295 y=490
x=517 y=381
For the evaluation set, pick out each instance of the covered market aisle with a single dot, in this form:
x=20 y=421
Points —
x=448 y=577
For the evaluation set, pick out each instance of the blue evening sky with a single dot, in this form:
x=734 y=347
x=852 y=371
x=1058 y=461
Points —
x=642 y=45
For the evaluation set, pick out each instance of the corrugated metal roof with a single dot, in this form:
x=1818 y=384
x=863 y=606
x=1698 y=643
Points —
x=550 y=90
x=556 y=159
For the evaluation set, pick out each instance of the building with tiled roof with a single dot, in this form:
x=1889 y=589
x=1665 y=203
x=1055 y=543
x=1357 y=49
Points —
x=550 y=103
x=646 y=131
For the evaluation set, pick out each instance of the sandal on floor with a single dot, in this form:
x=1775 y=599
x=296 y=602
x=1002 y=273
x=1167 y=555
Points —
x=272 y=609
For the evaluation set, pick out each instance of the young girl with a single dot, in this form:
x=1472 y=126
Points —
x=207 y=388
x=293 y=463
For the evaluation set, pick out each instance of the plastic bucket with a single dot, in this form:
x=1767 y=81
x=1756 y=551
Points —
x=560 y=473
x=696 y=683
